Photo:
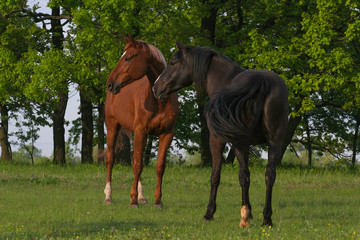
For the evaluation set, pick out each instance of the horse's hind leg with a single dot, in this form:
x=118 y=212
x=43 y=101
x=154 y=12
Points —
x=164 y=143
x=274 y=156
x=141 y=197
x=111 y=137
x=139 y=146
x=217 y=147
x=244 y=179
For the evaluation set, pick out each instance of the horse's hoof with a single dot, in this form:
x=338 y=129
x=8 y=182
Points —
x=143 y=201
x=267 y=222
x=134 y=205
x=244 y=224
x=108 y=202
x=208 y=218
x=159 y=206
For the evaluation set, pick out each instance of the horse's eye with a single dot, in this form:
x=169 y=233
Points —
x=172 y=63
x=127 y=59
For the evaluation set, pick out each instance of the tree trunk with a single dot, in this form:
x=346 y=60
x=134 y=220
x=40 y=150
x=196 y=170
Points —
x=87 y=128
x=206 y=158
x=230 y=157
x=60 y=106
x=6 y=154
x=355 y=141
x=57 y=37
x=147 y=152
x=101 y=133
x=59 y=129
x=292 y=125
x=207 y=27
x=208 y=23
x=308 y=142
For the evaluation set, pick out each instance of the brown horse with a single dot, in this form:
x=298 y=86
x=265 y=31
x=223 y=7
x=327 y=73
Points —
x=245 y=108
x=131 y=105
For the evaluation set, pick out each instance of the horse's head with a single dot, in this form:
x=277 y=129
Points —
x=176 y=75
x=131 y=66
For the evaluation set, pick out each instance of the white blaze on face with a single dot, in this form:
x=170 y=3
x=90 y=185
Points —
x=123 y=55
x=107 y=191
x=157 y=78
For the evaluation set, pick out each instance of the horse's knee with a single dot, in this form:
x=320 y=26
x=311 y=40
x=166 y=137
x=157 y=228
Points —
x=137 y=167
x=160 y=169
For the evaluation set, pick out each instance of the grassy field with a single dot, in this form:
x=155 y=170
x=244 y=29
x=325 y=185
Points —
x=53 y=202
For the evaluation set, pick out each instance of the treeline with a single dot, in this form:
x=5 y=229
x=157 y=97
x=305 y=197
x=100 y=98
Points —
x=313 y=45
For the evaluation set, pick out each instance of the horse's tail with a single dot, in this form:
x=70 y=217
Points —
x=236 y=111
x=123 y=133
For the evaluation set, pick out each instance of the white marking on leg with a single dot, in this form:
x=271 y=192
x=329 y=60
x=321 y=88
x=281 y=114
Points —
x=108 y=191
x=141 y=197
x=245 y=215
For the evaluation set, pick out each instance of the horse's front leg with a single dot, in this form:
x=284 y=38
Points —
x=274 y=156
x=164 y=143
x=244 y=179
x=139 y=146
x=112 y=132
x=217 y=147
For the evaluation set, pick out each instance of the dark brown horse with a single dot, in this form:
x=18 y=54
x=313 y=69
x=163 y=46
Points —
x=131 y=105
x=245 y=108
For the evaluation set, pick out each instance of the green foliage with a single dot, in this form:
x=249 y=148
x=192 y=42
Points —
x=50 y=74
x=313 y=45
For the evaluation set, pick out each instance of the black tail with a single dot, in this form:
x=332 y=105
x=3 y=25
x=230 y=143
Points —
x=236 y=112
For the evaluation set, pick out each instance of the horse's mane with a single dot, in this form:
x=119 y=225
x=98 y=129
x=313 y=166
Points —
x=202 y=57
x=154 y=52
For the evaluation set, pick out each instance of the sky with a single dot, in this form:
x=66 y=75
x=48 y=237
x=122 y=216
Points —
x=45 y=141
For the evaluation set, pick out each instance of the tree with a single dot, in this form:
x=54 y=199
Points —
x=314 y=46
x=15 y=30
x=87 y=126
x=57 y=39
x=29 y=118
x=23 y=153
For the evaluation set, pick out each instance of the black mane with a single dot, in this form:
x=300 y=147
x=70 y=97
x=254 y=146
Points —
x=202 y=57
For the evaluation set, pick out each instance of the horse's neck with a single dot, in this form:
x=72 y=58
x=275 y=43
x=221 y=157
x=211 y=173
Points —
x=155 y=69
x=217 y=77
x=151 y=102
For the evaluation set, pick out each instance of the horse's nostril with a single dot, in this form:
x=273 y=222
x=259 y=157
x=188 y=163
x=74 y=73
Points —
x=110 y=86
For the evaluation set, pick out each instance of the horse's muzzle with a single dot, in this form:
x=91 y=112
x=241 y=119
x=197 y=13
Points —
x=156 y=92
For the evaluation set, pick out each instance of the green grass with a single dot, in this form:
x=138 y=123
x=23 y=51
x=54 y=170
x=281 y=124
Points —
x=53 y=202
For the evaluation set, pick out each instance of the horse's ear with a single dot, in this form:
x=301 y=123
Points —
x=126 y=39
x=134 y=42
x=180 y=45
